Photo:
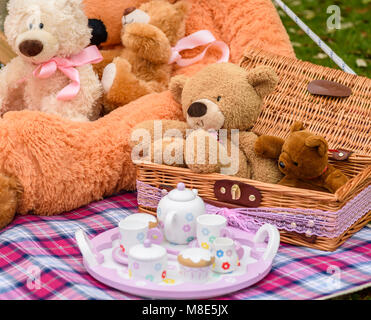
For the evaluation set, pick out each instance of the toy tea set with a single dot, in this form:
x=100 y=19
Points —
x=183 y=254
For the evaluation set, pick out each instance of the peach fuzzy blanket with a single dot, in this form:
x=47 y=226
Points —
x=63 y=165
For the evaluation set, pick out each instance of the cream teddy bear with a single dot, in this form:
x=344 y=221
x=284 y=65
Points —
x=52 y=72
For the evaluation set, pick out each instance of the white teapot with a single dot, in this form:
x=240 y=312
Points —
x=177 y=213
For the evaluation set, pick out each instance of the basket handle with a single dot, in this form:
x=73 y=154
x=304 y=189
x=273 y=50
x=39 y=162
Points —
x=357 y=183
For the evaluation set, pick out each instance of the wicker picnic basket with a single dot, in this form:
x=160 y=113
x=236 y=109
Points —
x=310 y=218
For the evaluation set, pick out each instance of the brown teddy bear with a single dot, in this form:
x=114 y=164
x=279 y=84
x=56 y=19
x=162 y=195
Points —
x=220 y=96
x=105 y=20
x=303 y=158
x=148 y=34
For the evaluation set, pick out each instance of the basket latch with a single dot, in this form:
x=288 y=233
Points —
x=340 y=154
x=237 y=193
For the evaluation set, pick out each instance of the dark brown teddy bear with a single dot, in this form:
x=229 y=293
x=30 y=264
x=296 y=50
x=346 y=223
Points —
x=303 y=158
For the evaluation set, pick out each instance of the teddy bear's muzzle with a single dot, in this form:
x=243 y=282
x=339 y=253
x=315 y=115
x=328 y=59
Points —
x=31 y=48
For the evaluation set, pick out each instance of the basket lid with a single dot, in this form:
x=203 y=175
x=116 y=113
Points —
x=345 y=122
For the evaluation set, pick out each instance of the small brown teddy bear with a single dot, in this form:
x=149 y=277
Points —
x=303 y=158
x=220 y=96
x=148 y=35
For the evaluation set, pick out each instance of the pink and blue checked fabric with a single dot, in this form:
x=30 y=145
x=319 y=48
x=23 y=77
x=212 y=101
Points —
x=39 y=259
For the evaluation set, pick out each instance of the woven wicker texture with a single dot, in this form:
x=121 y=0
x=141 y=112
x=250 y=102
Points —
x=345 y=123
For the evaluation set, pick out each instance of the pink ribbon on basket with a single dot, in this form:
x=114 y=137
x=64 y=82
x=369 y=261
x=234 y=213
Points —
x=67 y=67
x=197 y=39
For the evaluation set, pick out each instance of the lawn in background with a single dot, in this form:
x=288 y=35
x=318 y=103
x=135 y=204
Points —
x=351 y=42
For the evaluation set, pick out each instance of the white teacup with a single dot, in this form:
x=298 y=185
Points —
x=227 y=255
x=210 y=227
x=132 y=232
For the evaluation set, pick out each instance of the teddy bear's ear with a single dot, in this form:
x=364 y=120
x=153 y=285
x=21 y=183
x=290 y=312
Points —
x=176 y=86
x=181 y=7
x=263 y=79
x=71 y=3
x=297 y=126
x=317 y=142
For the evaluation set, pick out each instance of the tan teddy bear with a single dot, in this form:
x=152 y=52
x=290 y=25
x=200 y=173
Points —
x=221 y=96
x=52 y=72
x=148 y=35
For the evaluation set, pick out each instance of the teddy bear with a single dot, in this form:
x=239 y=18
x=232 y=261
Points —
x=220 y=100
x=105 y=21
x=52 y=72
x=303 y=159
x=148 y=34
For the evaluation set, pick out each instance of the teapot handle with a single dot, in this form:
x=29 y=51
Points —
x=168 y=223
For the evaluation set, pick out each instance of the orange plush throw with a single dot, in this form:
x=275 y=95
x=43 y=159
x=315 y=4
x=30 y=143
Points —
x=49 y=165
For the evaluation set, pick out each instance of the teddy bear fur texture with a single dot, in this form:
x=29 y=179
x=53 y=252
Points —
x=303 y=159
x=220 y=96
x=148 y=33
x=39 y=30
x=50 y=165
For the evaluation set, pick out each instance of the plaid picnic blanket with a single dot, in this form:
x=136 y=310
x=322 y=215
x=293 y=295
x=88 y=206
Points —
x=39 y=259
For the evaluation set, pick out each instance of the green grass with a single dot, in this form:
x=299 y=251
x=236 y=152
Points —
x=351 y=42
x=361 y=295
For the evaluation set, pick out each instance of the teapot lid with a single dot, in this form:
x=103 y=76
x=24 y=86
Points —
x=147 y=251
x=181 y=193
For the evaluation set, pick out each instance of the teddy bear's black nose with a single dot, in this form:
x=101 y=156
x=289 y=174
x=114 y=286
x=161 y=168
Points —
x=99 y=32
x=282 y=165
x=129 y=10
x=31 y=48
x=197 y=109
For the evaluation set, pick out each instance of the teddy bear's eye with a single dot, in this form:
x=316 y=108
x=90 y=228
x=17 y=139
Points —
x=218 y=98
x=41 y=26
x=295 y=163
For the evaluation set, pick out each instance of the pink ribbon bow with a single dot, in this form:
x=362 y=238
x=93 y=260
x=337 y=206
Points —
x=67 y=66
x=199 y=38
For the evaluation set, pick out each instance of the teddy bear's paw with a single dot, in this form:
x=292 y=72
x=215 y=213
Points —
x=201 y=152
x=133 y=15
x=260 y=147
x=108 y=77
x=9 y=191
x=266 y=170
x=113 y=72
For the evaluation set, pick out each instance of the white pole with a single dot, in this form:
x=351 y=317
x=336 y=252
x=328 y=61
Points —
x=325 y=48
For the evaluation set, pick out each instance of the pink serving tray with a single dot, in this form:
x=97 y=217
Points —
x=260 y=250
